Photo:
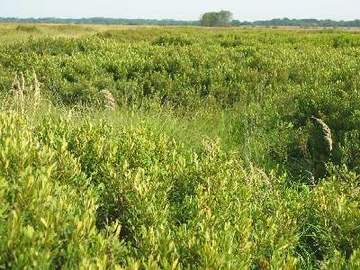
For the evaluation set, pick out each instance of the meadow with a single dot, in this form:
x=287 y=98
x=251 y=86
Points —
x=177 y=148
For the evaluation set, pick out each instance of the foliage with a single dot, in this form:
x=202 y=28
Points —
x=221 y=18
x=177 y=148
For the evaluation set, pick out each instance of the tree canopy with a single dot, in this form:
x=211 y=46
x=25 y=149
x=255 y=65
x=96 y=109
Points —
x=221 y=18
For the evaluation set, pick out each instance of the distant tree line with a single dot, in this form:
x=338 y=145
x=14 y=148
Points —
x=222 y=18
x=99 y=20
x=299 y=23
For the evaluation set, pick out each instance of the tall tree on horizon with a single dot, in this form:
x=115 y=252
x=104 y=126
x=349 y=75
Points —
x=221 y=18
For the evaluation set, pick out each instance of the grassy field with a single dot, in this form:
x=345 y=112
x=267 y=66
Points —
x=178 y=148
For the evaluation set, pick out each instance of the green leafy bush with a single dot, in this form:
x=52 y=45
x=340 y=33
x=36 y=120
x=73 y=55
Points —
x=206 y=164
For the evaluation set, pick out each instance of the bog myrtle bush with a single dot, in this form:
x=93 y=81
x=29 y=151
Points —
x=178 y=148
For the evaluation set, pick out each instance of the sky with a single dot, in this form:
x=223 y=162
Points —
x=185 y=9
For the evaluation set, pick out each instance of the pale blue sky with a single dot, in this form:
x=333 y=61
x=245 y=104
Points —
x=184 y=9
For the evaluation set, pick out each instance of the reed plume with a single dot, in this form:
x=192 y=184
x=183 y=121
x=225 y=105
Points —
x=20 y=90
x=108 y=100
